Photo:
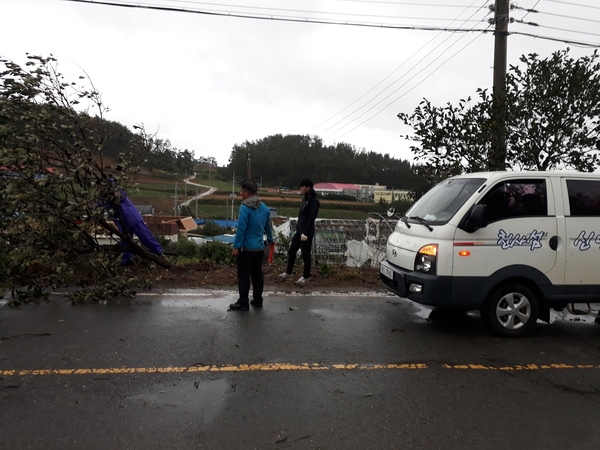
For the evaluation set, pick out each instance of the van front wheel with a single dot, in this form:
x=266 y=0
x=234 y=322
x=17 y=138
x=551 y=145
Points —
x=511 y=310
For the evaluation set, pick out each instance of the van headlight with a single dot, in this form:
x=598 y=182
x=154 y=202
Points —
x=426 y=259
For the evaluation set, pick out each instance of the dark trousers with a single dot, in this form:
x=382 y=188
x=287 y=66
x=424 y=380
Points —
x=304 y=247
x=249 y=268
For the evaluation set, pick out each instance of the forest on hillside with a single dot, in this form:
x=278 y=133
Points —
x=274 y=161
x=280 y=160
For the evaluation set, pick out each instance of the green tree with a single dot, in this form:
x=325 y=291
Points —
x=554 y=112
x=552 y=121
x=453 y=139
x=55 y=190
x=283 y=160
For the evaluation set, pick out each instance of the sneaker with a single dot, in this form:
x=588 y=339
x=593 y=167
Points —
x=256 y=303
x=285 y=276
x=302 y=280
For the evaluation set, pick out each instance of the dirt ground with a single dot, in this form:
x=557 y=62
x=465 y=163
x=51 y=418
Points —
x=212 y=276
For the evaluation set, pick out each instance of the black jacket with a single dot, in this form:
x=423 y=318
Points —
x=308 y=213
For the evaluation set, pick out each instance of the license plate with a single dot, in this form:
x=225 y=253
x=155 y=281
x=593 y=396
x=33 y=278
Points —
x=386 y=272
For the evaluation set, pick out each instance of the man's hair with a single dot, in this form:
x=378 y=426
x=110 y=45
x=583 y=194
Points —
x=249 y=186
x=306 y=182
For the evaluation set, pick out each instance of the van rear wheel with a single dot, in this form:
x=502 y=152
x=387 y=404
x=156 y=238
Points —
x=511 y=310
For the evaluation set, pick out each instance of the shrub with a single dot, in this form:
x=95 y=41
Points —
x=283 y=245
x=324 y=270
x=215 y=251
x=184 y=247
x=211 y=228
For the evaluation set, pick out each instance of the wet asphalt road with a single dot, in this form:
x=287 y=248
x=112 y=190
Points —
x=178 y=371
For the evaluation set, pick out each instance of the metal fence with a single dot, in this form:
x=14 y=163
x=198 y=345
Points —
x=332 y=236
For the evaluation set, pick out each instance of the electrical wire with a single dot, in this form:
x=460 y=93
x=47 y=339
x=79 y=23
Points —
x=572 y=4
x=388 y=76
x=562 y=29
x=586 y=19
x=271 y=17
x=435 y=5
x=370 y=2
x=322 y=21
x=555 y=39
x=409 y=90
x=389 y=85
x=302 y=11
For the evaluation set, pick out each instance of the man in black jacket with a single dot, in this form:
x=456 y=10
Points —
x=305 y=231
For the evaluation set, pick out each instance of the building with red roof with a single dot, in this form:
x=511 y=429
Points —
x=325 y=189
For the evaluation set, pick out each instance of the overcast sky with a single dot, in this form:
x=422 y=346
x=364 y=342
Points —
x=207 y=82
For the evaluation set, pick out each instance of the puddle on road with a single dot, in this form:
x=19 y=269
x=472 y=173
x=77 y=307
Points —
x=203 y=398
x=423 y=312
x=218 y=300
x=568 y=317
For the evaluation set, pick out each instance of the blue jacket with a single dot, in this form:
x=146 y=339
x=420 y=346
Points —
x=254 y=221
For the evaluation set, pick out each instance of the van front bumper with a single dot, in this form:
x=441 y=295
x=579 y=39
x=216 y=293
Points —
x=419 y=287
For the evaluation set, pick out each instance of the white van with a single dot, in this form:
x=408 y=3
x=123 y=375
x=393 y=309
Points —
x=510 y=244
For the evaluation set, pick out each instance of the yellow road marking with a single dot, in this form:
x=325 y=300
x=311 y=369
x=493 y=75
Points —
x=520 y=367
x=284 y=367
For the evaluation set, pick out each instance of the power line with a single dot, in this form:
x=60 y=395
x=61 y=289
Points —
x=330 y=22
x=567 y=17
x=420 y=82
x=564 y=41
x=389 y=85
x=388 y=76
x=301 y=11
x=274 y=18
x=530 y=9
x=272 y=15
x=435 y=5
x=567 y=30
x=573 y=4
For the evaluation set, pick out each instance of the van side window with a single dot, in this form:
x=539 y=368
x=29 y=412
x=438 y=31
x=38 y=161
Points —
x=516 y=198
x=584 y=197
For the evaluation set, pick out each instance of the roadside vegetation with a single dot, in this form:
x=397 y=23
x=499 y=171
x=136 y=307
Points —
x=63 y=162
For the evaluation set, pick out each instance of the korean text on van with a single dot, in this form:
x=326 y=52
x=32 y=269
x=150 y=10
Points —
x=510 y=244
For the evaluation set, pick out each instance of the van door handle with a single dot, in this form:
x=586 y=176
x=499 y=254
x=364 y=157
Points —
x=553 y=242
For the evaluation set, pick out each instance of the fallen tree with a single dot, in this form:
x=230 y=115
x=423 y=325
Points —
x=55 y=183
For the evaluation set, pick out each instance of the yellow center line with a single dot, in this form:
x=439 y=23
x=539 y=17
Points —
x=285 y=367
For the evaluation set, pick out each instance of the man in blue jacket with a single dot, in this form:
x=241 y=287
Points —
x=254 y=221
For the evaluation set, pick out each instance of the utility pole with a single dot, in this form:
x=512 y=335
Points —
x=175 y=206
x=497 y=160
x=232 y=194
x=248 y=167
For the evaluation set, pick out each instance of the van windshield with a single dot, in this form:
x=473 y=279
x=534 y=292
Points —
x=442 y=201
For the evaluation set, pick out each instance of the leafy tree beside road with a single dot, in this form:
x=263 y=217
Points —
x=552 y=116
x=52 y=180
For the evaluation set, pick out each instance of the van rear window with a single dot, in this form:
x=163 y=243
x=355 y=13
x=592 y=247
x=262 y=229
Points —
x=584 y=197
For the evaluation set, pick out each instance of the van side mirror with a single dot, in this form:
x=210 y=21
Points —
x=475 y=219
